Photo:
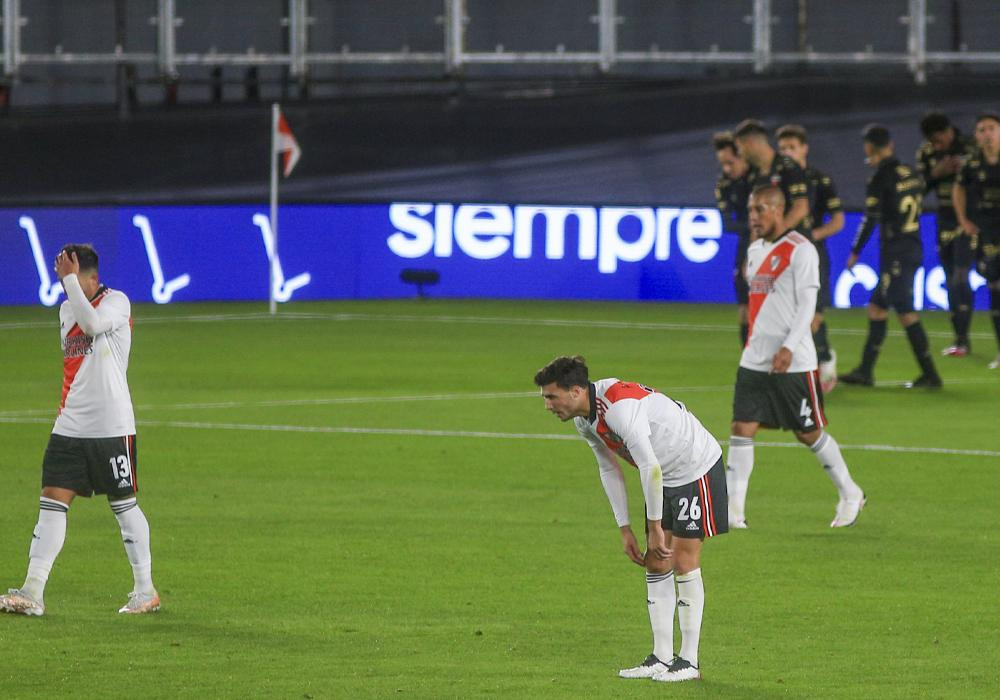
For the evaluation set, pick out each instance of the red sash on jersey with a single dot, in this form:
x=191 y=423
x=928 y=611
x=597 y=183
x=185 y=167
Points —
x=617 y=392
x=777 y=261
x=75 y=348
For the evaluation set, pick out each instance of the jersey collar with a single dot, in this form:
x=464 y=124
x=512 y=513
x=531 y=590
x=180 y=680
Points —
x=100 y=290
x=592 y=391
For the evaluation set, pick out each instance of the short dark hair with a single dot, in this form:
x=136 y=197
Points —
x=877 y=135
x=933 y=123
x=565 y=371
x=85 y=254
x=770 y=190
x=792 y=131
x=982 y=116
x=750 y=127
x=722 y=140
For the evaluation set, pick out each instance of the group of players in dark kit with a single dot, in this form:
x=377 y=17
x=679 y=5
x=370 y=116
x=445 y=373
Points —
x=962 y=171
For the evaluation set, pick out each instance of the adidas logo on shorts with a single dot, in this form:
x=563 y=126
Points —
x=123 y=484
x=692 y=526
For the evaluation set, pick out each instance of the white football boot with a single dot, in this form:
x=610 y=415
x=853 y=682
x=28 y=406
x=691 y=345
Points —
x=647 y=669
x=848 y=511
x=139 y=603
x=21 y=603
x=679 y=670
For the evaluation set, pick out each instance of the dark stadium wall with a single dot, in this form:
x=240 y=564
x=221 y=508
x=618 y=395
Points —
x=469 y=141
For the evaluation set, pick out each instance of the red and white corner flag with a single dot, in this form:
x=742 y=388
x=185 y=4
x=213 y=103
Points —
x=286 y=145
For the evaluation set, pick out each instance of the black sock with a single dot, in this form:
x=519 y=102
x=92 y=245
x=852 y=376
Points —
x=956 y=324
x=961 y=299
x=921 y=348
x=964 y=322
x=995 y=311
x=822 y=345
x=744 y=334
x=876 y=334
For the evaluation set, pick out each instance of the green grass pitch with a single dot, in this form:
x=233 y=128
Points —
x=347 y=501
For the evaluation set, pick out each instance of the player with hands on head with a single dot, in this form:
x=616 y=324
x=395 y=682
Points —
x=92 y=448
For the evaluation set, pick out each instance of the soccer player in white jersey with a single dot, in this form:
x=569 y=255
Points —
x=777 y=385
x=683 y=482
x=92 y=446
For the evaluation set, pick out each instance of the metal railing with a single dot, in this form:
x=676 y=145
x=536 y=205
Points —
x=454 y=55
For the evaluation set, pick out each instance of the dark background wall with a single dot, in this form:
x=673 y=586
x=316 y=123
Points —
x=637 y=133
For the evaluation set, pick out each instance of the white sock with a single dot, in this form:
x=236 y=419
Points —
x=690 y=607
x=739 y=464
x=661 y=599
x=46 y=542
x=135 y=535
x=827 y=451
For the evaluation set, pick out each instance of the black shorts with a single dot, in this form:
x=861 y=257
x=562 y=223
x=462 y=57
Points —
x=790 y=401
x=91 y=465
x=989 y=255
x=823 y=298
x=699 y=509
x=955 y=249
x=895 y=288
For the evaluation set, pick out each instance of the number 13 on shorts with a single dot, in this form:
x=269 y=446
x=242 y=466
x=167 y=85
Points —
x=120 y=468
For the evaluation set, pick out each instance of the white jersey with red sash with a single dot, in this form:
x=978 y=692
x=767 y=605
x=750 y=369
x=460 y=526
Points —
x=648 y=430
x=96 y=339
x=778 y=273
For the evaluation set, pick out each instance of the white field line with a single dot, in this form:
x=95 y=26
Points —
x=349 y=400
x=418 y=432
x=341 y=400
x=480 y=320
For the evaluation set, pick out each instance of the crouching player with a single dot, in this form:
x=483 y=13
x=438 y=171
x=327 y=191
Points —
x=684 y=484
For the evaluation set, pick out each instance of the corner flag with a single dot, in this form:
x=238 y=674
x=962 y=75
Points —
x=286 y=145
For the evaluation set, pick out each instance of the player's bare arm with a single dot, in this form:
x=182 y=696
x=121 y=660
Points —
x=798 y=212
x=831 y=227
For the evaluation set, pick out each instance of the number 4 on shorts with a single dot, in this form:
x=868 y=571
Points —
x=806 y=412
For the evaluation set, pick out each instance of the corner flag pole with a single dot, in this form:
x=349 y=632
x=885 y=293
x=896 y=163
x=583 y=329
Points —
x=273 y=304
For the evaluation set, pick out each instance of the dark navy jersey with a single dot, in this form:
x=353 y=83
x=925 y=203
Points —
x=893 y=202
x=927 y=158
x=981 y=181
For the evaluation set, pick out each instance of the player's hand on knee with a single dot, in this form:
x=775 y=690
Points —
x=656 y=541
x=631 y=547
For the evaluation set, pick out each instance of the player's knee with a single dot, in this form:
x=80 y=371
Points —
x=909 y=318
x=58 y=494
x=743 y=429
x=658 y=565
x=877 y=313
x=809 y=439
x=687 y=557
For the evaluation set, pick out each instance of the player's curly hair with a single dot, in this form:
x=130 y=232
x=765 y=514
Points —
x=85 y=254
x=565 y=371
x=933 y=123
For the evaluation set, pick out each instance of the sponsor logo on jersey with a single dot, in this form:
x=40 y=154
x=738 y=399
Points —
x=78 y=346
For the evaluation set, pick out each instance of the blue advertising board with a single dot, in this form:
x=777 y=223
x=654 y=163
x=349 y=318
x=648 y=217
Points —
x=169 y=254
